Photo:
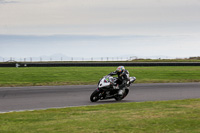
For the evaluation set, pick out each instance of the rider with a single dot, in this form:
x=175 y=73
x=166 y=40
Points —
x=123 y=77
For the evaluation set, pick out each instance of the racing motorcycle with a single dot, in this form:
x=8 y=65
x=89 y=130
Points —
x=108 y=88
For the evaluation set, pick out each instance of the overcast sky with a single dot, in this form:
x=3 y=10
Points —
x=100 y=28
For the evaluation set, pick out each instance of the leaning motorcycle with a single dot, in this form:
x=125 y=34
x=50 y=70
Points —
x=108 y=89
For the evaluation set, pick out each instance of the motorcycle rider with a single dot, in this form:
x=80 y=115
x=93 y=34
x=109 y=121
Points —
x=123 y=78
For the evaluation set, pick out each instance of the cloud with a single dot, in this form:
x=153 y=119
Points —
x=100 y=17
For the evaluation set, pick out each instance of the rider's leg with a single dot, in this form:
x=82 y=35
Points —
x=122 y=88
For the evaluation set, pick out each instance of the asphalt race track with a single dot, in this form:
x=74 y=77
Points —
x=43 y=97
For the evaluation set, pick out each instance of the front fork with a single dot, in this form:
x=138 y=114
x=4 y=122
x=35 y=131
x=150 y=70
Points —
x=100 y=93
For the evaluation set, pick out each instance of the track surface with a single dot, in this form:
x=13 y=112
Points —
x=42 y=97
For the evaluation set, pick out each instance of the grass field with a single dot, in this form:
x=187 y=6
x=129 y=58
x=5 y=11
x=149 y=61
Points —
x=32 y=76
x=182 y=116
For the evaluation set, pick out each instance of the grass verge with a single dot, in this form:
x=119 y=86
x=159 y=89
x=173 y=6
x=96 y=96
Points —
x=144 y=117
x=33 y=76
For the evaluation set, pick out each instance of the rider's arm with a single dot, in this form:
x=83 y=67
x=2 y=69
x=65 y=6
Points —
x=112 y=73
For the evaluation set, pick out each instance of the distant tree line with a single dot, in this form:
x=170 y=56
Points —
x=195 y=58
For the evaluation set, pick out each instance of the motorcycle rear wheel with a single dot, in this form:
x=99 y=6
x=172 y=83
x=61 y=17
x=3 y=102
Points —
x=119 y=98
x=94 y=96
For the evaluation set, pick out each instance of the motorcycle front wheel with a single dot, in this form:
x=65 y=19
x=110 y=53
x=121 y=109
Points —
x=94 y=96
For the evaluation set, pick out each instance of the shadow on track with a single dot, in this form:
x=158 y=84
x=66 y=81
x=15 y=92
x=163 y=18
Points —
x=111 y=101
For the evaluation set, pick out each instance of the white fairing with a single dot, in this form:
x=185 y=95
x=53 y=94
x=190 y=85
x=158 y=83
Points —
x=102 y=83
x=107 y=80
x=132 y=79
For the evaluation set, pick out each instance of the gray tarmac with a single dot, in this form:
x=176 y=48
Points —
x=43 y=97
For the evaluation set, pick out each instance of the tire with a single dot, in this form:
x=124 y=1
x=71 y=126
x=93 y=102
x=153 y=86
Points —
x=119 y=98
x=94 y=96
x=125 y=93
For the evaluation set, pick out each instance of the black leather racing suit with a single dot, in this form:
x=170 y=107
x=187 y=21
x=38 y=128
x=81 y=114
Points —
x=123 y=77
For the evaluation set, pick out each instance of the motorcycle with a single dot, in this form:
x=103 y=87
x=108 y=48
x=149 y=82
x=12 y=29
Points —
x=108 y=88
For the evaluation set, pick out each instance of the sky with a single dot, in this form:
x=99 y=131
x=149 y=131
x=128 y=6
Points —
x=100 y=28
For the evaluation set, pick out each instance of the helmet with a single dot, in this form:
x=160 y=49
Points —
x=120 y=69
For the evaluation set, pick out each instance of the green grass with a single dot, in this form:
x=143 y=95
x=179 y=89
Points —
x=181 y=116
x=32 y=76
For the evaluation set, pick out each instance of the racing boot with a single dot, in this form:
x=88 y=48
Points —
x=121 y=91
